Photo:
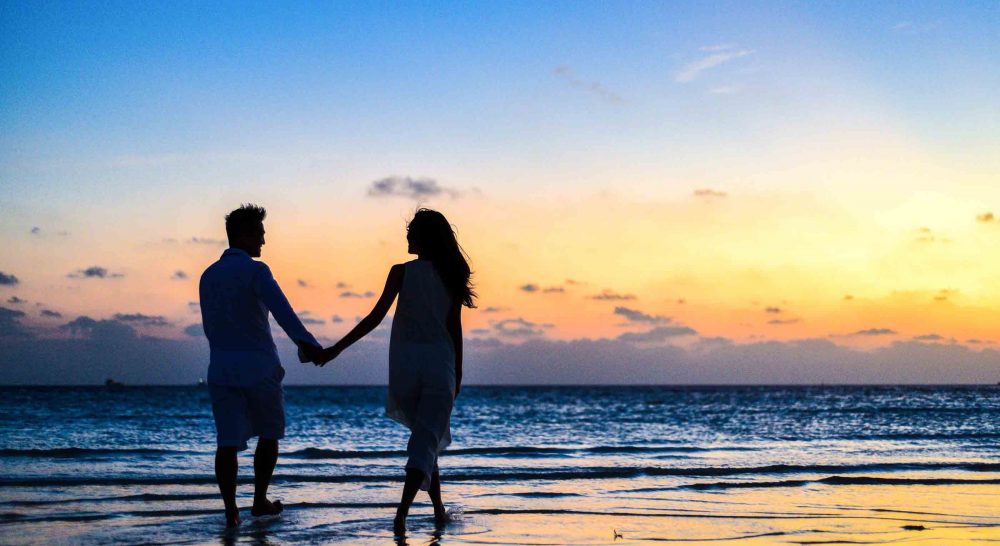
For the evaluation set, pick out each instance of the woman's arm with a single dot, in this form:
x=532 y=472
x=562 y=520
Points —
x=392 y=285
x=454 y=324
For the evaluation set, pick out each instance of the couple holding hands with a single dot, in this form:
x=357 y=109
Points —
x=244 y=373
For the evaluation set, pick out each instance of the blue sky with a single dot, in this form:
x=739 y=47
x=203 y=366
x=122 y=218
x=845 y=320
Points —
x=736 y=156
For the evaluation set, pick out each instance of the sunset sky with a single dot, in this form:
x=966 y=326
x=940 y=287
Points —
x=711 y=184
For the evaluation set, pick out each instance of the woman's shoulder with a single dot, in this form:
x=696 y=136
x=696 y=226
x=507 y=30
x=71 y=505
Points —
x=416 y=262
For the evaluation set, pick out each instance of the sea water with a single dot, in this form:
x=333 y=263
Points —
x=135 y=464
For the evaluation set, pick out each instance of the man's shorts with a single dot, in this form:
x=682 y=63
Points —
x=244 y=412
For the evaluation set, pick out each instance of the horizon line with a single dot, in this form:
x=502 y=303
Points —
x=523 y=385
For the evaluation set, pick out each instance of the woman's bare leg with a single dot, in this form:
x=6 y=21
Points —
x=414 y=478
x=434 y=491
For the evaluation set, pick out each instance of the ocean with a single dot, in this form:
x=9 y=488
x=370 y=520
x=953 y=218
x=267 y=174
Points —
x=529 y=465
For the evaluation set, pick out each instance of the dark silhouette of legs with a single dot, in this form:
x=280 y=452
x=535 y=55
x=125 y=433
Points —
x=264 y=460
x=226 y=467
x=410 y=487
x=434 y=491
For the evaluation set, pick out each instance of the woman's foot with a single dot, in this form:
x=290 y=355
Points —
x=440 y=516
x=266 y=508
x=233 y=518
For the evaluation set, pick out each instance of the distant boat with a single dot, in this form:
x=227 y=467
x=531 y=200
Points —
x=113 y=385
x=201 y=382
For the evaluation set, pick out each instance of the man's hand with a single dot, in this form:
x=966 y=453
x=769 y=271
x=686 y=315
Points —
x=313 y=352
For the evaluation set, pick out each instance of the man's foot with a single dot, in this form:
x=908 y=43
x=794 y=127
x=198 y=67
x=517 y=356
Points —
x=399 y=525
x=233 y=518
x=266 y=508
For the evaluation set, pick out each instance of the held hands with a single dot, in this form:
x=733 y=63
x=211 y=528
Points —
x=310 y=353
x=328 y=354
x=318 y=355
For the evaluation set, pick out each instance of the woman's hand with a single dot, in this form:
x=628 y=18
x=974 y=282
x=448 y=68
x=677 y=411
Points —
x=329 y=354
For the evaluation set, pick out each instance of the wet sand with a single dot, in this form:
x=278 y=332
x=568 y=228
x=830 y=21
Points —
x=550 y=514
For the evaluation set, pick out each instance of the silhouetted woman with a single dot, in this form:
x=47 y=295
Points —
x=425 y=349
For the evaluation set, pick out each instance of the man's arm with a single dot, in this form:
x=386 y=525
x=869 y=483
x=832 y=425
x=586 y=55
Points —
x=454 y=325
x=274 y=299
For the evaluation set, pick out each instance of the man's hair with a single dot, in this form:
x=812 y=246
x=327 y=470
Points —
x=244 y=220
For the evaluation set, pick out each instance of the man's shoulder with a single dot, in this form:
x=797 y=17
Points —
x=225 y=268
x=211 y=270
x=260 y=266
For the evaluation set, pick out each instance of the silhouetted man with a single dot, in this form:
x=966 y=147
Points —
x=244 y=373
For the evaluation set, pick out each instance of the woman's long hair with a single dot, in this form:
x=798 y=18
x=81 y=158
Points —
x=431 y=234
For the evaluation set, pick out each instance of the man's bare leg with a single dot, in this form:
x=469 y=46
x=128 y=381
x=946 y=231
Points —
x=264 y=460
x=226 y=467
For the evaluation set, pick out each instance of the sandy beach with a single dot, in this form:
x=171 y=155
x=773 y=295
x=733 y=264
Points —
x=553 y=514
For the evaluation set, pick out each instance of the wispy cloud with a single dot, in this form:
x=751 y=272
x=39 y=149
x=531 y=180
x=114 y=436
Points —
x=417 y=189
x=6 y=279
x=39 y=232
x=783 y=322
x=593 y=87
x=875 y=332
x=519 y=327
x=634 y=315
x=208 y=241
x=532 y=288
x=16 y=300
x=307 y=318
x=716 y=56
x=139 y=318
x=94 y=272
x=658 y=334
x=351 y=294
x=708 y=193
x=611 y=295
x=986 y=218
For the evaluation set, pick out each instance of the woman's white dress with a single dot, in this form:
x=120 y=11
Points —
x=422 y=366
